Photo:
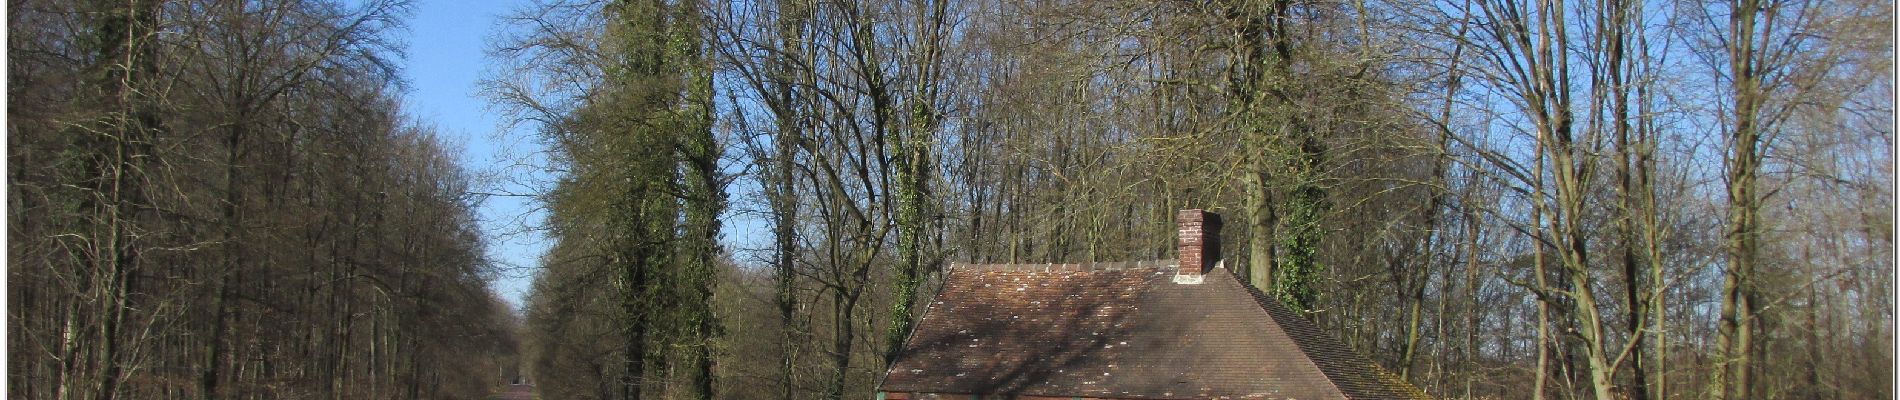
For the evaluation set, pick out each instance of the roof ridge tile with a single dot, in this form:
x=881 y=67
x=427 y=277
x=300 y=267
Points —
x=1063 y=267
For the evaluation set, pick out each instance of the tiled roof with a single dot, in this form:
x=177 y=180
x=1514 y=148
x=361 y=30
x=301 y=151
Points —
x=1124 y=331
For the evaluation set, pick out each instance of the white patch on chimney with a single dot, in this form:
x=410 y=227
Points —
x=1188 y=279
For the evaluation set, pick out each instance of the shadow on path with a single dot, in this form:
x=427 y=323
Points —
x=515 y=392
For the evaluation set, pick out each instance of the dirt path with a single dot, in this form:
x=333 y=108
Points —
x=516 y=392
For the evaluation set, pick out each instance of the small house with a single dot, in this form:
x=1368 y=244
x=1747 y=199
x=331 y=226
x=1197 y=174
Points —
x=1170 y=329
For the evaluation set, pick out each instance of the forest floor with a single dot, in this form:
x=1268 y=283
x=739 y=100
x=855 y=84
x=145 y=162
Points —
x=515 y=392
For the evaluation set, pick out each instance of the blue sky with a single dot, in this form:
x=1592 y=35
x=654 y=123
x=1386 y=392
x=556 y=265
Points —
x=444 y=67
x=445 y=62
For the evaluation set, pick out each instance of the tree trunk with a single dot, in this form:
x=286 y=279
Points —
x=1734 y=335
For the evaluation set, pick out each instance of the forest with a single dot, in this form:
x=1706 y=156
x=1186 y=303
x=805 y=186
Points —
x=1610 y=199
x=221 y=199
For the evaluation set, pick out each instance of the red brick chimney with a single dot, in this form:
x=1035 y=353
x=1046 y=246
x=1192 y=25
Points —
x=1200 y=244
